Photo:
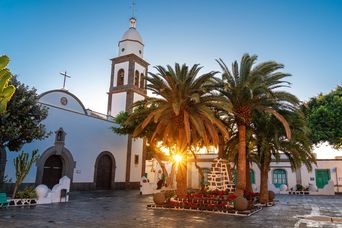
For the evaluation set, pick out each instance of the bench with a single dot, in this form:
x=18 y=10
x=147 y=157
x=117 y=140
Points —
x=3 y=200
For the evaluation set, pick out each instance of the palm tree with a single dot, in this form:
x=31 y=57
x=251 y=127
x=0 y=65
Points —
x=271 y=142
x=248 y=88
x=183 y=112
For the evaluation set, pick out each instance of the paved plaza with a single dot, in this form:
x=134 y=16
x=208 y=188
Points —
x=128 y=209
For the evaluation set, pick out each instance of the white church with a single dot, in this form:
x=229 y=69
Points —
x=84 y=148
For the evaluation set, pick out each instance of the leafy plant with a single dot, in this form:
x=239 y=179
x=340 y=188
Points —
x=23 y=165
x=299 y=187
x=324 y=114
x=22 y=122
x=28 y=193
x=6 y=91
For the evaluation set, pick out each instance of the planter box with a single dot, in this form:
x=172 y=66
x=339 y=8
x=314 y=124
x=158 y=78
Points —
x=22 y=202
x=299 y=192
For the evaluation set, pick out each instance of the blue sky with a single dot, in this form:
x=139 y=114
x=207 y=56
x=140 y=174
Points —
x=45 y=37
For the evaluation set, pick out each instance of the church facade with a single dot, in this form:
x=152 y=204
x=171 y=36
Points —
x=82 y=145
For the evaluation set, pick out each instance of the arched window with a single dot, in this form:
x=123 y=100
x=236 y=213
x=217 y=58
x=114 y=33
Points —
x=142 y=81
x=136 y=78
x=121 y=77
x=279 y=177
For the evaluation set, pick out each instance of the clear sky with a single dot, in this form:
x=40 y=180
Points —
x=45 y=37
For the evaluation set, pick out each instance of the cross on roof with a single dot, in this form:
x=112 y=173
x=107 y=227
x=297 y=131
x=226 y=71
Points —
x=133 y=8
x=65 y=76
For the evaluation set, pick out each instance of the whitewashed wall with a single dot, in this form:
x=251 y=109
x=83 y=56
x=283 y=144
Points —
x=86 y=138
x=118 y=103
x=335 y=167
x=137 y=148
x=54 y=98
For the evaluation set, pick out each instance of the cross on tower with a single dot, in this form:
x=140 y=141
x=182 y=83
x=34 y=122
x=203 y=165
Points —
x=133 y=8
x=65 y=76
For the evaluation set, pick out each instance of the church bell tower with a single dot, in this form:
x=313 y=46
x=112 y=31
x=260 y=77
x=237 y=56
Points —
x=128 y=85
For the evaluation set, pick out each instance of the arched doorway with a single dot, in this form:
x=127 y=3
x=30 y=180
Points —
x=53 y=169
x=104 y=171
x=66 y=160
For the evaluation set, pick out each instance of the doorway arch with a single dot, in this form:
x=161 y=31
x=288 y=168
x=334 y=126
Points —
x=104 y=175
x=66 y=158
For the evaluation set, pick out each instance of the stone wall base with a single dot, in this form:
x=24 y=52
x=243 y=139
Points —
x=77 y=186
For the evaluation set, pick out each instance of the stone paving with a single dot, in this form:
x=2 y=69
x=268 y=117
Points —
x=128 y=209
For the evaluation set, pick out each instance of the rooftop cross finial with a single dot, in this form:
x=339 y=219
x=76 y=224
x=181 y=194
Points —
x=133 y=8
x=65 y=76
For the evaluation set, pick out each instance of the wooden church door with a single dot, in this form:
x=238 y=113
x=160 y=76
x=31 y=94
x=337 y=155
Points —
x=104 y=172
x=53 y=168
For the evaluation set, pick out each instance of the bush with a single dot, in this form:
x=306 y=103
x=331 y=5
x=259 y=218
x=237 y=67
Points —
x=28 y=193
x=299 y=187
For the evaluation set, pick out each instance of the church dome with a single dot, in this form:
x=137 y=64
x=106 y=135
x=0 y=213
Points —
x=133 y=35
x=131 y=41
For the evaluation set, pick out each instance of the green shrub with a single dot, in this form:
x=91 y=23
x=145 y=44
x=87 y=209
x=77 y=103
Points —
x=28 y=193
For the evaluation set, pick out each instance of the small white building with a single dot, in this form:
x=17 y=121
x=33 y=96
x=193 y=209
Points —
x=280 y=173
x=82 y=145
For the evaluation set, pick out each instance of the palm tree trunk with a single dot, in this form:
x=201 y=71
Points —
x=169 y=180
x=241 y=167
x=221 y=145
x=249 y=187
x=181 y=179
x=264 y=183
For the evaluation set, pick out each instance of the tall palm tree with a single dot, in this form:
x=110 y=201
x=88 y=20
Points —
x=271 y=143
x=250 y=87
x=183 y=112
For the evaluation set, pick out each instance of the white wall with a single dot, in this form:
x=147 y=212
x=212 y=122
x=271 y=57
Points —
x=54 y=98
x=131 y=47
x=335 y=167
x=137 y=148
x=118 y=103
x=86 y=138
x=117 y=67
x=137 y=97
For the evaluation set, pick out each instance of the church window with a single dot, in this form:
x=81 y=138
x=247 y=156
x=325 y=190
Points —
x=136 y=159
x=123 y=49
x=121 y=77
x=136 y=78
x=139 y=51
x=142 y=81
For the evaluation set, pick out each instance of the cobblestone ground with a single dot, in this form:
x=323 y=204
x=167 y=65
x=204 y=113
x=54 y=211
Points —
x=128 y=209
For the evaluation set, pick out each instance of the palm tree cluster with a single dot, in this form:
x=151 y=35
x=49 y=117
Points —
x=245 y=108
